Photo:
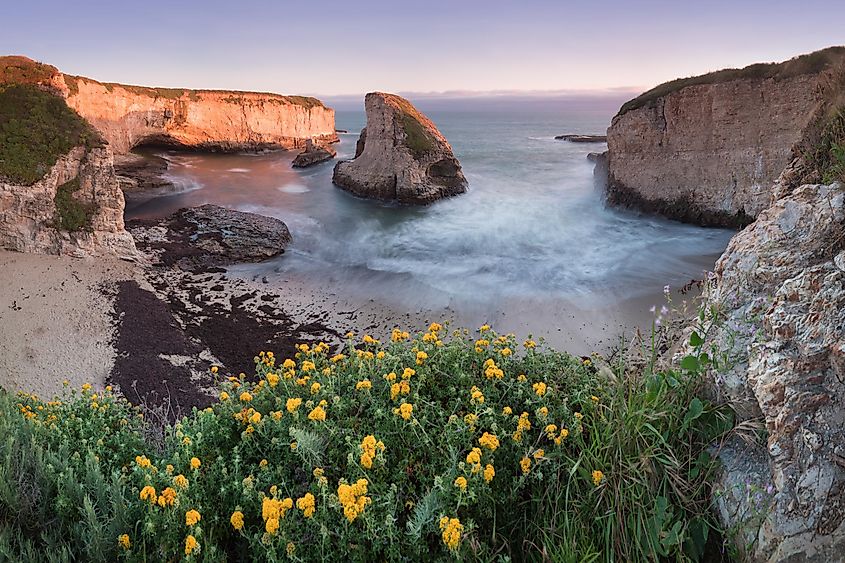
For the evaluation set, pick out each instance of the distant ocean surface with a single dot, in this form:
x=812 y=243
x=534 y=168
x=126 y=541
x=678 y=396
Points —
x=533 y=230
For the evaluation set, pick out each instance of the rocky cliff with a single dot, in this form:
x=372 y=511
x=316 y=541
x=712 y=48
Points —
x=75 y=209
x=780 y=290
x=401 y=156
x=708 y=149
x=128 y=116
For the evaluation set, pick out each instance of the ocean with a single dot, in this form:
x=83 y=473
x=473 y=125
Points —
x=531 y=246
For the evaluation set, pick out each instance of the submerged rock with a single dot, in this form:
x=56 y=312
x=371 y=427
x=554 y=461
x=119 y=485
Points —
x=208 y=237
x=582 y=138
x=313 y=154
x=401 y=156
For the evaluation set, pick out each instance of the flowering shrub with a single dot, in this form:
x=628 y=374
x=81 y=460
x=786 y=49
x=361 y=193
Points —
x=432 y=446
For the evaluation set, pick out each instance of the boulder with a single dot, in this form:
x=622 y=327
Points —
x=313 y=154
x=208 y=237
x=402 y=157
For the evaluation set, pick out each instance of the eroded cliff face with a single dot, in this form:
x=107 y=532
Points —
x=708 y=150
x=401 y=156
x=203 y=119
x=31 y=221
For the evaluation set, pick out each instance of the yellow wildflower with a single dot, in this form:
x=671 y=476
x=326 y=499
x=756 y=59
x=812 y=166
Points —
x=308 y=366
x=421 y=357
x=405 y=410
x=273 y=379
x=507 y=411
x=539 y=388
x=272 y=526
x=292 y=404
x=192 y=517
x=224 y=396
x=167 y=497
x=246 y=397
x=452 y=530
x=461 y=483
x=289 y=364
x=543 y=412
x=539 y=454
x=365 y=384
x=353 y=498
x=315 y=388
x=180 y=481
x=489 y=441
x=505 y=352
x=307 y=505
x=408 y=373
x=529 y=344
x=148 y=493
x=142 y=461
x=476 y=396
x=474 y=456
x=237 y=520
x=489 y=473
x=317 y=414
x=195 y=463
x=484 y=328
x=290 y=548
x=521 y=378
x=525 y=465
x=123 y=541
x=191 y=544
x=598 y=477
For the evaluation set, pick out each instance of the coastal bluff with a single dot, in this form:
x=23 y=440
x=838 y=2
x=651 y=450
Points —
x=214 y=120
x=400 y=157
x=708 y=149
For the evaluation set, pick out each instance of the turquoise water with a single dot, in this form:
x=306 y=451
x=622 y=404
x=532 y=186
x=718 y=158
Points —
x=533 y=227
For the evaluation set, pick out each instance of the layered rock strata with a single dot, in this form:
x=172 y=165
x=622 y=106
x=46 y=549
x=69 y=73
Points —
x=708 y=149
x=400 y=157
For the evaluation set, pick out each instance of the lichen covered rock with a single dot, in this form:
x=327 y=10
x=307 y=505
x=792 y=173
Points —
x=401 y=156
x=781 y=286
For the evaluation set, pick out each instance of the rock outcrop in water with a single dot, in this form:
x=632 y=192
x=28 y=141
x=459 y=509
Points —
x=313 y=154
x=708 y=149
x=208 y=237
x=401 y=156
x=128 y=116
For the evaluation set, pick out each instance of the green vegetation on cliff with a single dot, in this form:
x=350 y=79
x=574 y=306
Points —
x=417 y=137
x=446 y=445
x=805 y=64
x=22 y=70
x=71 y=214
x=36 y=128
x=827 y=153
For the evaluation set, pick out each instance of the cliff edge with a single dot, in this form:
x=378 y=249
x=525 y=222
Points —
x=215 y=120
x=401 y=156
x=708 y=149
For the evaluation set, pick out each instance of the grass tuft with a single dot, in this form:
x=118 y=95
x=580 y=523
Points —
x=72 y=215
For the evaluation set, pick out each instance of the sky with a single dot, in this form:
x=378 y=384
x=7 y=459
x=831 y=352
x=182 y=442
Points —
x=342 y=48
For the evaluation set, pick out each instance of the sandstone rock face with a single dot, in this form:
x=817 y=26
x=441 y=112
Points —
x=128 y=116
x=210 y=236
x=401 y=156
x=29 y=216
x=313 y=154
x=781 y=283
x=709 y=152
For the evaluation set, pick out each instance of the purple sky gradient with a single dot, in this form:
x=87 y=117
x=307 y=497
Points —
x=331 y=48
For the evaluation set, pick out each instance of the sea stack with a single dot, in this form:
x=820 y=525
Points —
x=401 y=156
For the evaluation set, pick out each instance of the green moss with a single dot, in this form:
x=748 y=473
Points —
x=417 y=137
x=36 y=128
x=71 y=214
x=805 y=64
x=305 y=101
